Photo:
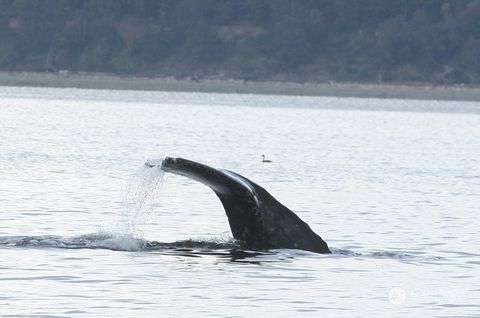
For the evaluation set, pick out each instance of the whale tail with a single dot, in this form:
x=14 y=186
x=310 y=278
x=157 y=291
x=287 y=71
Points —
x=255 y=217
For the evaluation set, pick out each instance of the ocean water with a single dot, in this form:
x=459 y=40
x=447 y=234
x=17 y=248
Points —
x=393 y=186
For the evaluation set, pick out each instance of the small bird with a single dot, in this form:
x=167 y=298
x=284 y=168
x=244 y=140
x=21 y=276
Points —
x=265 y=160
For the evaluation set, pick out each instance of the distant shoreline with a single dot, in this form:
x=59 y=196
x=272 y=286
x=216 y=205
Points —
x=107 y=81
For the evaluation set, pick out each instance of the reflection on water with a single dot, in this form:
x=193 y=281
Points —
x=395 y=194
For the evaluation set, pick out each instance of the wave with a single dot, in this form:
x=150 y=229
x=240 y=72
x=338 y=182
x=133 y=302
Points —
x=228 y=250
x=222 y=247
x=115 y=242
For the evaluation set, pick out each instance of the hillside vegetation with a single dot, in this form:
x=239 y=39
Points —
x=297 y=40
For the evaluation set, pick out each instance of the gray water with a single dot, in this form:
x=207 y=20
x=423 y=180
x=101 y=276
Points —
x=392 y=186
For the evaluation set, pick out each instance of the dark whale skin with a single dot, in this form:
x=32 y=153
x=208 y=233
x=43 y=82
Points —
x=256 y=218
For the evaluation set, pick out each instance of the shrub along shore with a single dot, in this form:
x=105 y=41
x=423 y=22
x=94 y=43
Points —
x=109 y=81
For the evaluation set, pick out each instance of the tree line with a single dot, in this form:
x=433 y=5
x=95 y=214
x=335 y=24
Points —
x=298 y=40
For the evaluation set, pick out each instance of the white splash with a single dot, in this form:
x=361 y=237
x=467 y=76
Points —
x=141 y=194
x=114 y=241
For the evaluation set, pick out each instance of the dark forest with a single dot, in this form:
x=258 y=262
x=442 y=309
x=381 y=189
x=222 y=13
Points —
x=302 y=40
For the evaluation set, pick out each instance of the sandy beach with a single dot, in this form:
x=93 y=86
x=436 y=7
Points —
x=107 y=81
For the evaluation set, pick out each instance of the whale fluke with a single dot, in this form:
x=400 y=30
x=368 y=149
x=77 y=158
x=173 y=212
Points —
x=257 y=220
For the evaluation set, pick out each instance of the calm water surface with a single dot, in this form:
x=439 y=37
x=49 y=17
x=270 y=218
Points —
x=392 y=185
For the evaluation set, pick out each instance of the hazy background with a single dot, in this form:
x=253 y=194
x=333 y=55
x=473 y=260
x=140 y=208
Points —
x=428 y=41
